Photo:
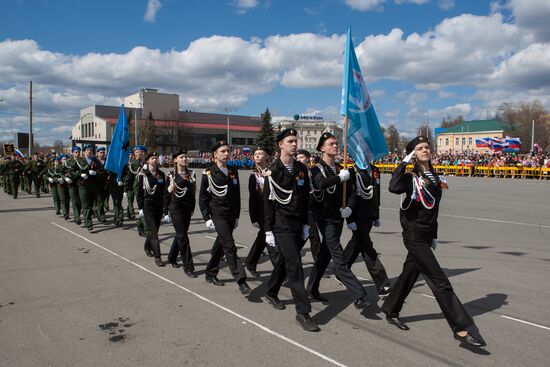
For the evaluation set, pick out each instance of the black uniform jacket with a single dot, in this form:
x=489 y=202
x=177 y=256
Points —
x=187 y=201
x=228 y=206
x=364 y=209
x=329 y=206
x=255 y=198
x=418 y=223
x=295 y=212
x=154 y=200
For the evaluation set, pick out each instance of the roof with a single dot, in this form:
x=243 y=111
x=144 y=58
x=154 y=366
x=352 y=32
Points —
x=478 y=126
x=189 y=124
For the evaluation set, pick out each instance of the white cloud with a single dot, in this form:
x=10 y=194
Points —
x=497 y=58
x=533 y=15
x=446 y=4
x=417 y=2
x=365 y=5
x=245 y=5
x=153 y=6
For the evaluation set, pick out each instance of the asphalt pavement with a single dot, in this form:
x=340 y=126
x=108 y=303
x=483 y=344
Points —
x=69 y=297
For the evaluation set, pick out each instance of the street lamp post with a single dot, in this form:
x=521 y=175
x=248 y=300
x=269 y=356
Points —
x=227 y=112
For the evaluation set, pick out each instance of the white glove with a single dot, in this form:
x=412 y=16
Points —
x=345 y=212
x=92 y=172
x=69 y=181
x=145 y=166
x=50 y=179
x=305 y=232
x=270 y=239
x=376 y=223
x=434 y=243
x=60 y=180
x=344 y=175
x=352 y=226
x=256 y=225
x=120 y=183
x=408 y=158
x=236 y=223
x=167 y=219
x=141 y=213
x=84 y=176
x=125 y=195
x=210 y=225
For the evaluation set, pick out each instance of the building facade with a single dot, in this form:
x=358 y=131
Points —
x=309 y=128
x=462 y=137
x=154 y=119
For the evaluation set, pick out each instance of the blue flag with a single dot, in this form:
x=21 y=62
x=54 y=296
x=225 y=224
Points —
x=119 y=151
x=366 y=142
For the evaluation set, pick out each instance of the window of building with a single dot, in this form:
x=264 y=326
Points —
x=447 y=141
x=463 y=141
x=469 y=141
x=457 y=141
x=250 y=141
x=238 y=141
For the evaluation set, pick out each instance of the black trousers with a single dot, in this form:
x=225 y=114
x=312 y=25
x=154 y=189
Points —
x=225 y=244
x=152 y=216
x=331 y=230
x=181 y=217
x=289 y=266
x=314 y=238
x=421 y=260
x=258 y=248
x=361 y=243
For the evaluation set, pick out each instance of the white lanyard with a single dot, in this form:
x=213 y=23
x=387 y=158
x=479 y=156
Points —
x=147 y=186
x=217 y=190
x=365 y=192
x=420 y=192
x=273 y=194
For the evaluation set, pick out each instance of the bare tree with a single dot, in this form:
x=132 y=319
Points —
x=520 y=117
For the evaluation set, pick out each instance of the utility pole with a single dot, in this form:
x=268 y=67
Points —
x=533 y=135
x=30 y=119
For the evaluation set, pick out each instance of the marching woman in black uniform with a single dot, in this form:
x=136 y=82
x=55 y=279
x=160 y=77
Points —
x=422 y=189
x=151 y=182
x=256 y=183
x=364 y=202
x=329 y=217
x=286 y=196
x=220 y=205
x=179 y=200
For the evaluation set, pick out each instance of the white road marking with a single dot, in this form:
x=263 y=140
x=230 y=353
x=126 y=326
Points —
x=427 y=295
x=236 y=244
x=483 y=219
x=244 y=318
x=525 y=322
x=41 y=333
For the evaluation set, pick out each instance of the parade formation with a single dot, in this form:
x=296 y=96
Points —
x=290 y=202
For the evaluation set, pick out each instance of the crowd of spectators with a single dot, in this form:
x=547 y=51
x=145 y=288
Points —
x=486 y=159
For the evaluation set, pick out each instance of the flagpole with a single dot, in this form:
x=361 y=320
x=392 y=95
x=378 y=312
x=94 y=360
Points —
x=344 y=204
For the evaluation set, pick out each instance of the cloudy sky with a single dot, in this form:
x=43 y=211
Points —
x=420 y=57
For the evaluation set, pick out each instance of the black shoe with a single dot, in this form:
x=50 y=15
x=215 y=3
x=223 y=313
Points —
x=159 y=262
x=141 y=234
x=190 y=273
x=66 y=217
x=58 y=213
x=397 y=322
x=275 y=302
x=306 y=322
x=78 y=222
x=316 y=295
x=174 y=264
x=90 y=228
x=470 y=340
x=215 y=281
x=244 y=288
x=361 y=303
x=148 y=251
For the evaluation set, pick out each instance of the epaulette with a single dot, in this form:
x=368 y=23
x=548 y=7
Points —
x=206 y=171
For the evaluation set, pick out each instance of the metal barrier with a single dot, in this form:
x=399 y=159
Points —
x=481 y=171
